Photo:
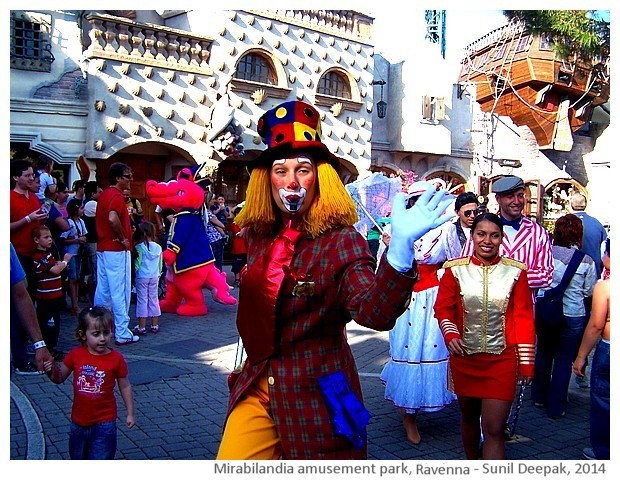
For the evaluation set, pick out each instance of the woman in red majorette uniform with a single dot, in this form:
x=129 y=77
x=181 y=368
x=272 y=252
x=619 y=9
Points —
x=485 y=311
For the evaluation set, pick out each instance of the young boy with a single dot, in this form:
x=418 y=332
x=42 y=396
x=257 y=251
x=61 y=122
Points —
x=48 y=287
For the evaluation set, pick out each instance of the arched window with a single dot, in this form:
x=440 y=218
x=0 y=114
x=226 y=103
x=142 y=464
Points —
x=256 y=68
x=334 y=84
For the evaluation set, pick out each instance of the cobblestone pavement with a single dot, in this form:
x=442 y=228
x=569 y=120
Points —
x=179 y=382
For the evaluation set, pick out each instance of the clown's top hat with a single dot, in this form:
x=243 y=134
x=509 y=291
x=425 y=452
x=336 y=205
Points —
x=289 y=128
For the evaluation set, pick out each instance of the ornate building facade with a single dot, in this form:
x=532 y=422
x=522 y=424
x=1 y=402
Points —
x=160 y=91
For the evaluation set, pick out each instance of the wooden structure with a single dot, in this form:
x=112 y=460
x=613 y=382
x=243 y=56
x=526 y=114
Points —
x=518 y=74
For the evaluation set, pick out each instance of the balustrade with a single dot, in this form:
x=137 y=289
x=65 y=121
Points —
x=121 y=39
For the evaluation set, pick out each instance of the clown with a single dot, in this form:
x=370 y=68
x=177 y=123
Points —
x=309 y=273
x=188 y=255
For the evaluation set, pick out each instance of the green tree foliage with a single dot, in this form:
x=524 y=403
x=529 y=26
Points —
x=575 y=33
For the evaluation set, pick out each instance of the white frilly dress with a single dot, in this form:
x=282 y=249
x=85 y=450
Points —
x=415 y=377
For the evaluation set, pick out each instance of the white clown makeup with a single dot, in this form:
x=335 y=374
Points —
x=293 y=183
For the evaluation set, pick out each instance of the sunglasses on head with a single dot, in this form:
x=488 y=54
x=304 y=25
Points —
x=467 y=213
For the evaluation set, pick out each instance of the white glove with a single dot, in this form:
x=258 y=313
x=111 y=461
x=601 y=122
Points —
x=410 y=225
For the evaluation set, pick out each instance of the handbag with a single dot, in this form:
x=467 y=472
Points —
x=549 y=310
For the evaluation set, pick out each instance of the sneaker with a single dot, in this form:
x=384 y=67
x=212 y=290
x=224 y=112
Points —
x=133 y=339
x=588 y=454
x=154 y=328
x=139 y=331
x=28 y=369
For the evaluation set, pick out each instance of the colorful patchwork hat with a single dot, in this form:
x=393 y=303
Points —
x=292 y=127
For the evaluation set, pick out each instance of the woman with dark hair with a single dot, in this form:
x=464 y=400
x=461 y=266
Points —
x=74 y=240
x=556 y=349
x=485 y=312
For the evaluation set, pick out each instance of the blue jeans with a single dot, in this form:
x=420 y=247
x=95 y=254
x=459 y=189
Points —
x=218 y=253
x=599 y=401
x=555 y=353
x=97 y=442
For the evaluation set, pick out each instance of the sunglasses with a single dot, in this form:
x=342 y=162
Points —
x=467 y=213
x=127 y=176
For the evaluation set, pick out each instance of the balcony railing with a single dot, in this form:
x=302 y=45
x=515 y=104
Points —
x=345 y=23
x=509 y=30
x=121 y=39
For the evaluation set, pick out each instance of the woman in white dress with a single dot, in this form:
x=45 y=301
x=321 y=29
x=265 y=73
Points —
x=415 y=377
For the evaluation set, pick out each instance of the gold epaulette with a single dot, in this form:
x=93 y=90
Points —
x=514 y=263
x=456 y=262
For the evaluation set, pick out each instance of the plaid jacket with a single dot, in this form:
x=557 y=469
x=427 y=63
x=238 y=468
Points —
x=311 y=336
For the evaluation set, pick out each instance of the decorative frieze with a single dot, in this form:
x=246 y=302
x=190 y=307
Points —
x=100 y=105
x=259 y=96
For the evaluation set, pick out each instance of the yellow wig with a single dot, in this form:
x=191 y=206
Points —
x=332 y=205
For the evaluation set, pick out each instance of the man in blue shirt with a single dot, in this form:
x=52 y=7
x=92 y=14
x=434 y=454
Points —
x=594 y=234
x=22 y=310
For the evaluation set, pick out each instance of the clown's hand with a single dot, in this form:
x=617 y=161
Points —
x=429 y=212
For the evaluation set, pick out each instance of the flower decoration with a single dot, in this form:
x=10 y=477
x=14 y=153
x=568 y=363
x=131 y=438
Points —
x=408 y=177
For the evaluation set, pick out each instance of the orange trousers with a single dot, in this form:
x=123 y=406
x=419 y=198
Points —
x=250 y=432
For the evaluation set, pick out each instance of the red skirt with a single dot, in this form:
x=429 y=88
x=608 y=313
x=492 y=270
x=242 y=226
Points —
x=485 y=375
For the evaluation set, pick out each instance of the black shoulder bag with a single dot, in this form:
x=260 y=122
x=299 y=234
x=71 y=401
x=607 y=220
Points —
x=548 y=308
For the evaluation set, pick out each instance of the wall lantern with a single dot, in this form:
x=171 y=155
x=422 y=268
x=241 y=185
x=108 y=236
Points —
x=381 y=105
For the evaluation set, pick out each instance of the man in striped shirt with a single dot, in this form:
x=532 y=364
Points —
x=524 y=239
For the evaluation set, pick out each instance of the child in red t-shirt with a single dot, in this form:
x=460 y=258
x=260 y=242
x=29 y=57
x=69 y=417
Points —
x=96 y=369
x=48 y=287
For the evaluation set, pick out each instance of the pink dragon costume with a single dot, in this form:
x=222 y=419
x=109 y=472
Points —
x=188 y=255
